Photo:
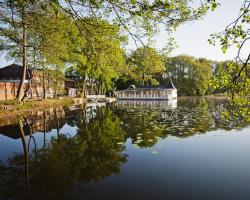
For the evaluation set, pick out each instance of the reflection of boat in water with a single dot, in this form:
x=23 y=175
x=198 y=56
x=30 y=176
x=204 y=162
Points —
x=95 y=104
x=170 y=104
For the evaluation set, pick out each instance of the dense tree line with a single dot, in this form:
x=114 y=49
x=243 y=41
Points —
x=90 y=37
x=98 y=150
x=190 y=75
x=84 y=34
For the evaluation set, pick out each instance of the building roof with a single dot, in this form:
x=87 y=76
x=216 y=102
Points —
x=17 y=66
x=14 y=72
x=168 y=85
x=12 y=66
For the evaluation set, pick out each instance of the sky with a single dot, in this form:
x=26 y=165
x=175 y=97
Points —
x=192 y=37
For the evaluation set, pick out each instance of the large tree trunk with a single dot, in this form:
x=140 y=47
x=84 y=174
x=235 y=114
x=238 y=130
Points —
x=56 y=84
x=25 y=61
x=92 y=86
x=44 y=84
x=57 y=124
x=99 y=85
x=143 y=78
x=27 y=91
x=84 y=87
x=45 y=128
x=26 y=158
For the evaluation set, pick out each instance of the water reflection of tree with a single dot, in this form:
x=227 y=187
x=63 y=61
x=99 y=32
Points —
x=190 y=119
x=90 y=155
x=14 y=176
x=102 y=135
x=97 y=150
x=140 y=124
x=146 y=124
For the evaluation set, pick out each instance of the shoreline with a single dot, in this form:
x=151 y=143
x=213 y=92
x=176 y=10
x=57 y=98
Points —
x=210 y=96
x=14 y=110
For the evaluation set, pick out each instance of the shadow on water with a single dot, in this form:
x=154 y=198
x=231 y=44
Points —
x=51 y=171
x=61 y=149
x=146 y=122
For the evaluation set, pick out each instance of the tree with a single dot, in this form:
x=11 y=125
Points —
x=18 y=17
x=146 y=62
x=191 y=76
x=54 y=47
x=30 y=33
x=139 y=19
x=64 y=160
x=15 y=22
x=100 y=57
x=234 y=77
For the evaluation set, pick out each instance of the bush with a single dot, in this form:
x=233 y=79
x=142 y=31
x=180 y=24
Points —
x=8 y=102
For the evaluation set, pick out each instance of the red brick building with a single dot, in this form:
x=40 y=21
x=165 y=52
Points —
x=10 y=80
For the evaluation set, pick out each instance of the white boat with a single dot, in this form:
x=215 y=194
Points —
x=158 y=92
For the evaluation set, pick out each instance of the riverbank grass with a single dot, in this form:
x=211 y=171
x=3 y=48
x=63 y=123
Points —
x=11 y=107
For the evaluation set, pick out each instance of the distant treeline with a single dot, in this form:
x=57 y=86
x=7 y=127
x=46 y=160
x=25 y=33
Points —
x=191 y=76
x=48 y=36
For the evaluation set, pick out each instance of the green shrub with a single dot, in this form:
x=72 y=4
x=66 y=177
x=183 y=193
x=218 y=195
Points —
x=8 y=102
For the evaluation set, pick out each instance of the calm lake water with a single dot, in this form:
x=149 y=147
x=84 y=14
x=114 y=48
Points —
x=127 y=150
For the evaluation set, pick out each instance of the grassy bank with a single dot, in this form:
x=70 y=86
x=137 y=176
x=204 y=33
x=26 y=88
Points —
x=12 y=108
x=211 y=96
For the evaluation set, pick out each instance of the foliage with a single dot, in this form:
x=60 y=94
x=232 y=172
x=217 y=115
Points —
x=98 y=149
x=191 y=76
x=15 y=22
x=146 y=62
x=86 y=34
x=65 y=161
x=234 y=76
x=30 y=33
x=144 y=16
x=238 y=93
x=7 y=102
x=102 y=52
